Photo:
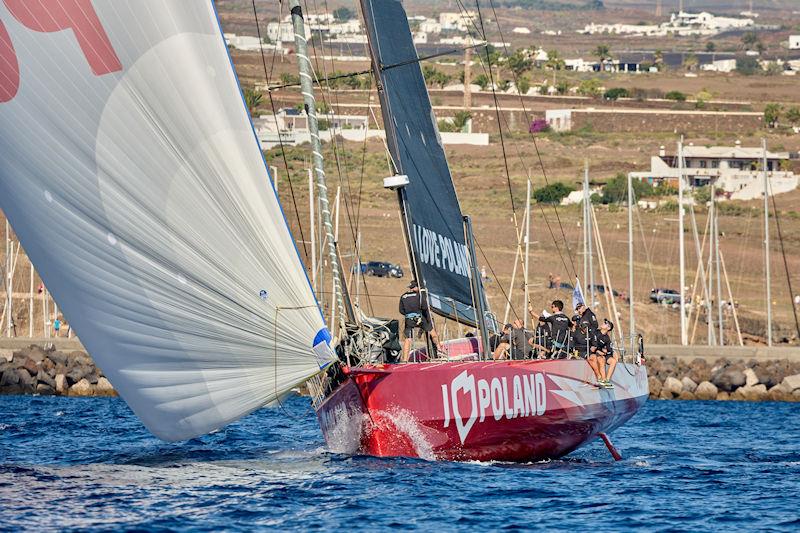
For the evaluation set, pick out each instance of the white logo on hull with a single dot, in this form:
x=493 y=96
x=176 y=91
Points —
x=528 y=398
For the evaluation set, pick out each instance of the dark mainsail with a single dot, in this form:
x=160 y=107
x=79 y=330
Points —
x=435 y=225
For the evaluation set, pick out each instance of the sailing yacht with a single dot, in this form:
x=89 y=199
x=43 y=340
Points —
x=131 y=173
x=464 y=406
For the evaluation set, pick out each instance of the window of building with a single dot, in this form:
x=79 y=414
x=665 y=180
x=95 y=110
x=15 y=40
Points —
x=703 y=163
x=715 y=164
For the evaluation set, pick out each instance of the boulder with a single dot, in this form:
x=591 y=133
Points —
x=699 y=370
x=796 y=395
x=723 y=396
x=31 y=366
x=93 y=376
x=26 y=382
x=688 y=384
x=672 y=386
x=59 y=358
x=706 y=391
x=104 y=387
x=664 y=395
x=81 y=388
x=35 y=352
x=655 y=386
x=686 y=395
x=756 y=393
x=750 y=377
x=10 y=378
x=78 y=358
x=44 y=389
x=77 y=373
x=791 y=383
x=61 y=383
x=777 y=394
x=48 y=365
x=728 y=379
x=44 y=377
x=738 y=395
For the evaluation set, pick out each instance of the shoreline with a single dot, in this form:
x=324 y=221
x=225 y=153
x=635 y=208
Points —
x=53 y=367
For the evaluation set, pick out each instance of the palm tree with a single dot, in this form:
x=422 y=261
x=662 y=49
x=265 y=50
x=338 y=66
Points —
x=253 y=98
x=602 y=52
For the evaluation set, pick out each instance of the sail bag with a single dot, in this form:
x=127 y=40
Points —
x=130 y=171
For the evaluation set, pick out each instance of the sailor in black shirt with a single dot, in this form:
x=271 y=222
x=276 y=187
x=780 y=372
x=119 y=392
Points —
x=605 y=354
x=513 y=344
x=560 y=329
x=581 y=337
x=587 y=316
x=414 y=307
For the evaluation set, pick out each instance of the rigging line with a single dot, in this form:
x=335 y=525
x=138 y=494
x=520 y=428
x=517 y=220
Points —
x=533 y=137
x=785 y=263
x=280 y=139
x=491 y=269
x=522 y=161
x=382 y=67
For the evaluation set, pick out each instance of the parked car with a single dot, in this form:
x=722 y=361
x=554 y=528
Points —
x=665 y=296
x=381 y=269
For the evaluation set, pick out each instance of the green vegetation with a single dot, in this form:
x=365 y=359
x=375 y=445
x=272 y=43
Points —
x=290 y=79
x=616 y=93
x=616 y=189
x=483 y=81
x=458 y=123
x=253 y=99
x=435 y=77
x=342 y=80
x=519 y=62
x=747 y=66
x=590 y=87
x=675 y=95
x=772 y=113
x=344 y=13
x=523 y=84
x=553 y=193
x=602 y=52
x=793 y=115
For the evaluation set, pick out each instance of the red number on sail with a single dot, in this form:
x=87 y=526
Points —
x=9 y=66
x=77 y=15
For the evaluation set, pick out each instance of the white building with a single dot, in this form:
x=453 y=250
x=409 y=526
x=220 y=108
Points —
x=457 y=21
x=430 y=26
x=794 y=42
x=735 y=170
x=521 y=30
x=683 y=24
x=721 y=65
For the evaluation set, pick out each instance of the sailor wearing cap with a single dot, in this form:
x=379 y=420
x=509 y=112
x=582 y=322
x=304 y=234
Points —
x=414 y=308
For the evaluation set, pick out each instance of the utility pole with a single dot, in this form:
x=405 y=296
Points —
x=681 y=251
x=766 y=243
x=306 y=85
x=632 y=325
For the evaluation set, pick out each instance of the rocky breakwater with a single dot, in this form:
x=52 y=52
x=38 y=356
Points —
x=36 y=370
x=725 y=379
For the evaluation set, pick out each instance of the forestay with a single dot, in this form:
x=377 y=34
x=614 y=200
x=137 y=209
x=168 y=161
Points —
x=437 y=227
x=131 y=173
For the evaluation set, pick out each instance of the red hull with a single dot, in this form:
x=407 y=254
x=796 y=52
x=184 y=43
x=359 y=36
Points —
x=477 y=410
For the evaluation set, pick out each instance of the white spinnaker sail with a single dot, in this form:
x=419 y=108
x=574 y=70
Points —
x=130 y=171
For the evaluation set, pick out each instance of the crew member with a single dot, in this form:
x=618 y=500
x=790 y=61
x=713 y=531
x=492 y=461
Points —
x=513 y=344
x=560 y=328
x=605 y=354
x=581 y=338
x=414 y=308
x=587 y=316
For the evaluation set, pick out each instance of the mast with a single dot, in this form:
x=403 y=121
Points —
x=766 y=244
x=477 y=286
x=306 y=85
x=527 y=252
x=590 y=238
x=586 y=228
x=701 y=268
x=313 y=229
x=681 y=251
x=632 y=326
x=715 y=242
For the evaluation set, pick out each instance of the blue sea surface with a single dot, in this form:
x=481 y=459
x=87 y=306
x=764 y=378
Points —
x=72 y=464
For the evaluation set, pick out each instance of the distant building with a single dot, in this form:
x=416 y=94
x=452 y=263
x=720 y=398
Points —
x=683 y=24
x=735 y=170
x=794 y=42
x=521 y=30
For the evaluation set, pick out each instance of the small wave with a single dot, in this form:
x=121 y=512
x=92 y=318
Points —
x=4 y=427
x=59 y=413
x=408 y=426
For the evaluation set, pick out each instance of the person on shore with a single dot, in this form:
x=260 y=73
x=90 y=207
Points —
x=56 y=327
x=605 y=355
x=560 y=328
x=414 y=308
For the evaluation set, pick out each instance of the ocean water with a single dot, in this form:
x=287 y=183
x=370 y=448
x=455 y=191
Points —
x=73 y=464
